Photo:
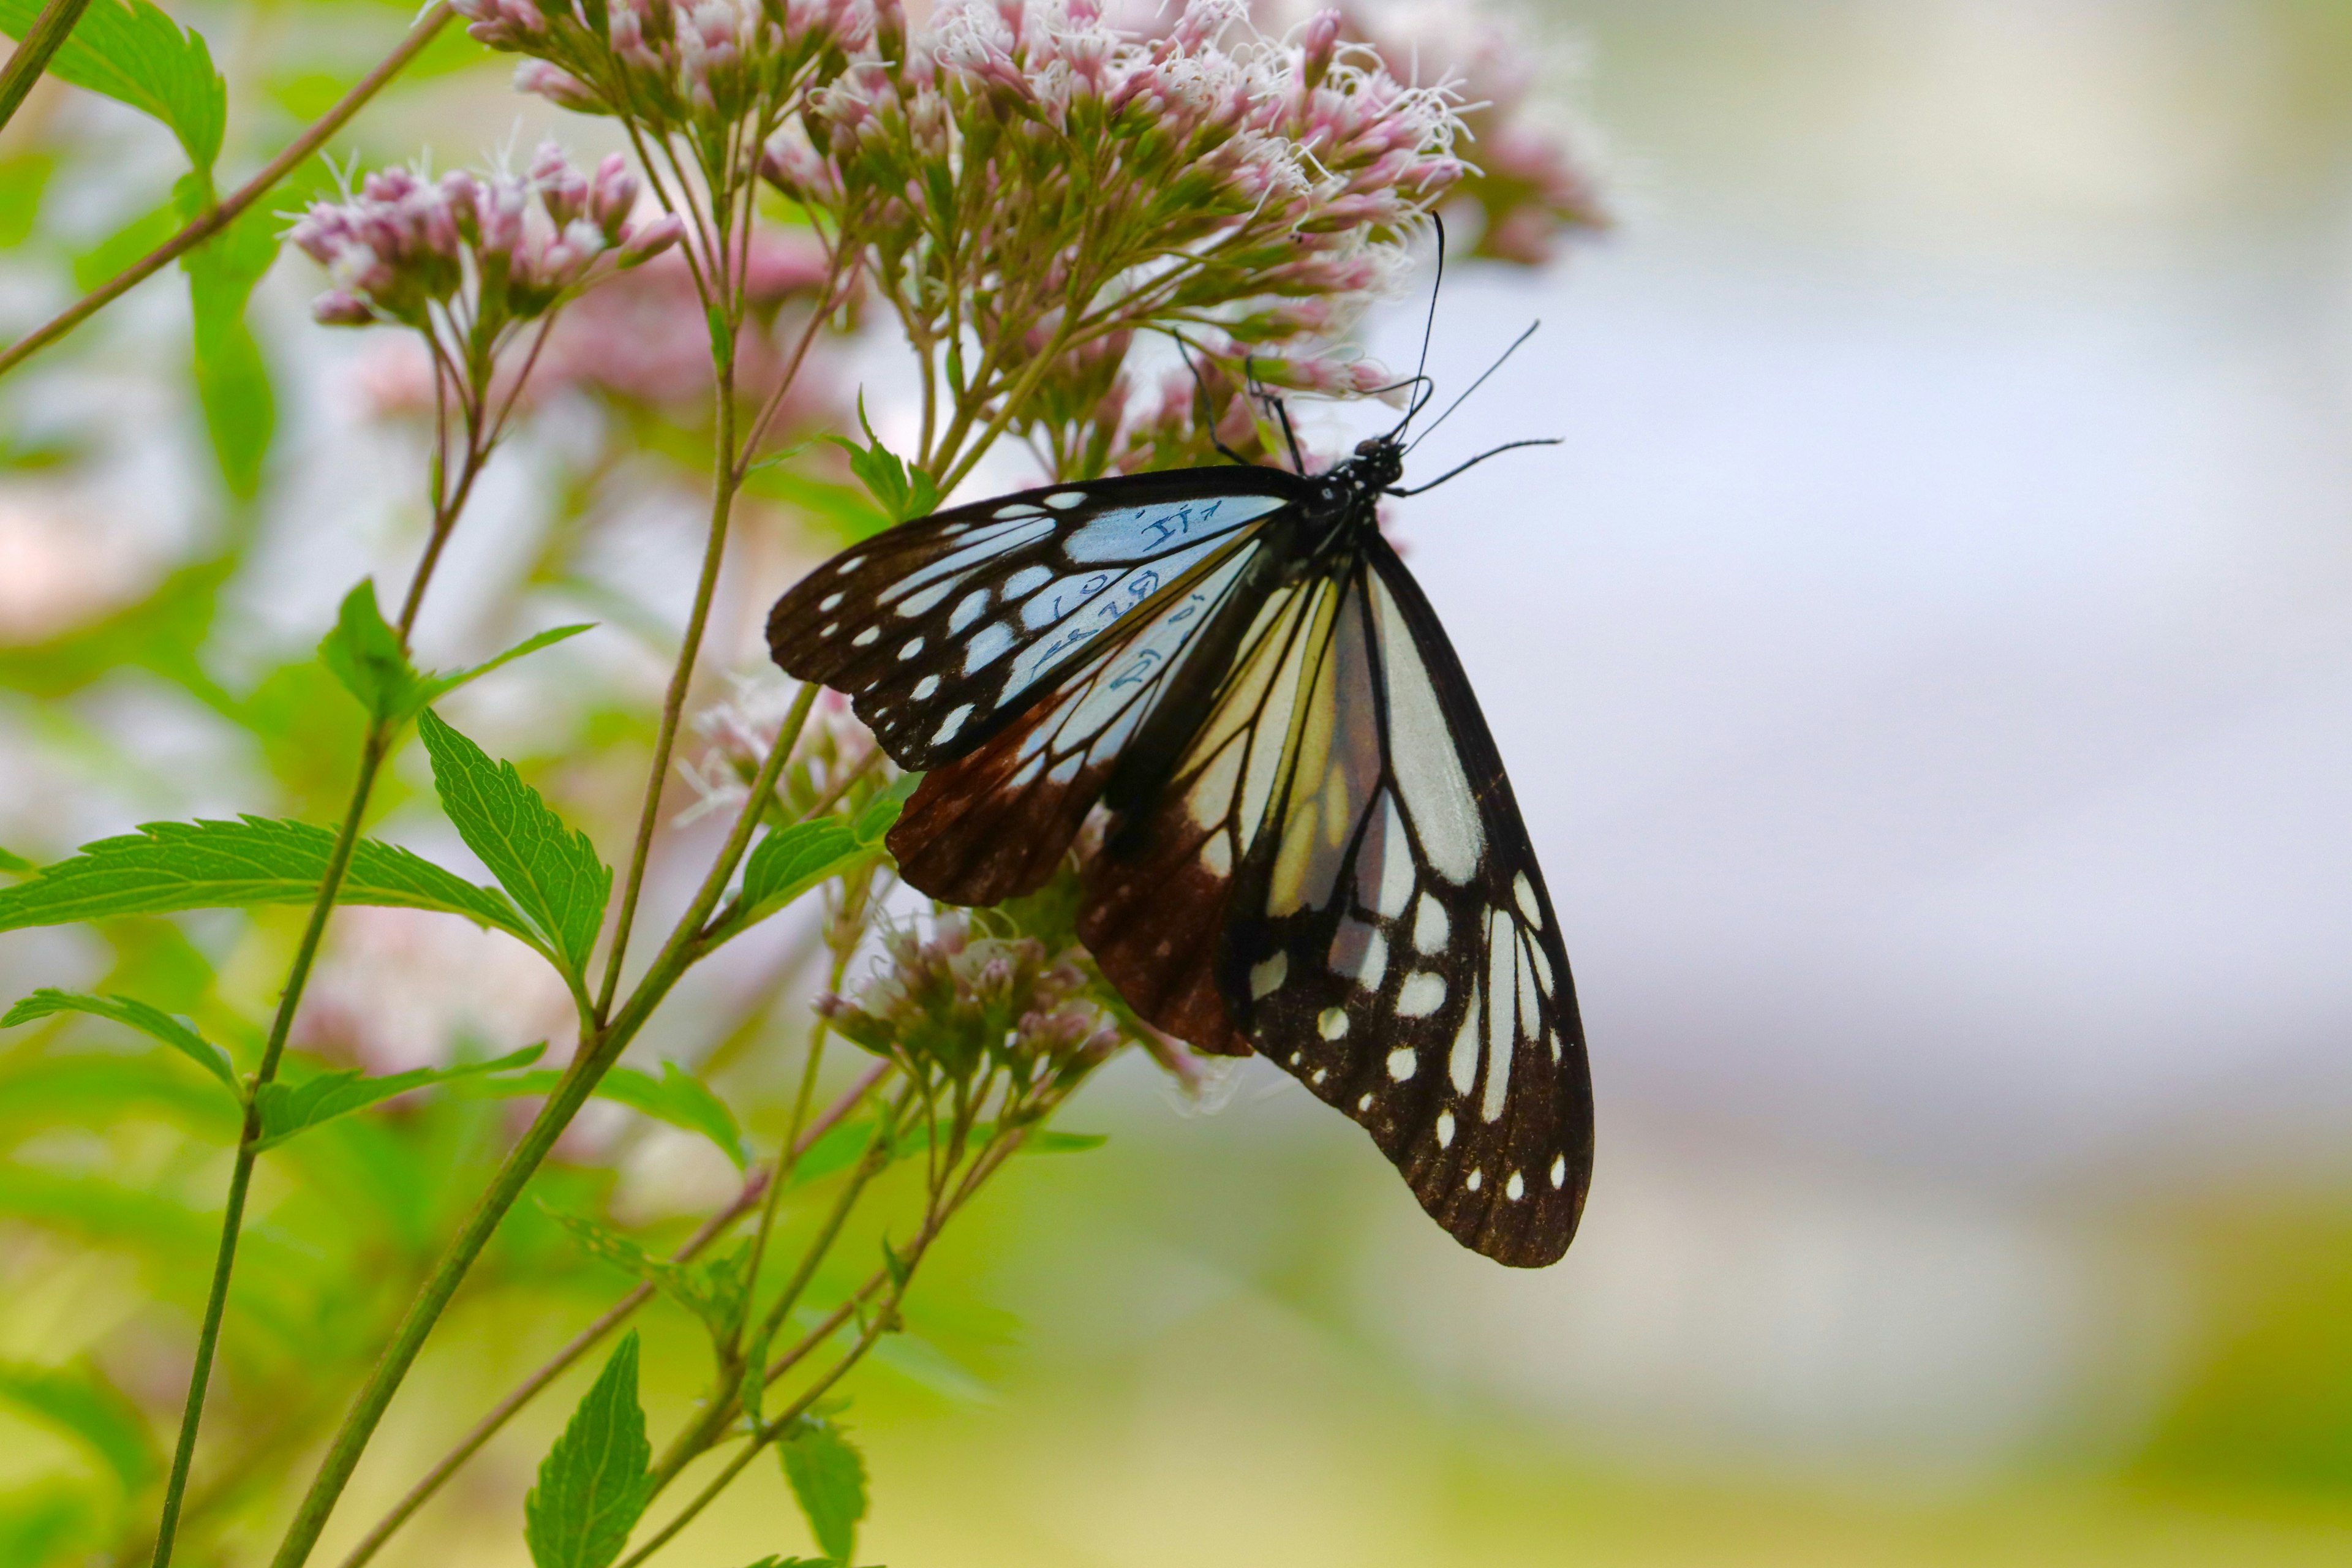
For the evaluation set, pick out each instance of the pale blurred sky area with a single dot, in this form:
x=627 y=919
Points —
x=1925 y=667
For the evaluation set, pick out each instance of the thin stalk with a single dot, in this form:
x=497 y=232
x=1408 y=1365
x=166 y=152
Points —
x=374 y=750
x=587 y=1339
x=244 y=195
x=597 y=1054
x=48 y=31
x=714 y=553
x=985 y=1166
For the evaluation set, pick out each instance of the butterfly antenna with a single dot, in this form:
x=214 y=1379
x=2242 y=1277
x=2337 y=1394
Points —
x=1428 y=330
x=1475 y=386
x=1505 y=446
x=1201 y=402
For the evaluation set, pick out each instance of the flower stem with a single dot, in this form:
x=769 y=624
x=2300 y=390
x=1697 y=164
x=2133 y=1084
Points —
x=724 y=477
x=587 y=1339
x=374 y=750
x=597 y=1053
x=230 y=207
x=32 y=56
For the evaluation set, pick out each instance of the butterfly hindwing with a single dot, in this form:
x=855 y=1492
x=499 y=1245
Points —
x=1390 y=942
x=943 y=630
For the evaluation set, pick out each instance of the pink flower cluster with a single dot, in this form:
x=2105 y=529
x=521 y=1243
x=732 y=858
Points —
x=486 y=250
x=704 y=66
x=953 y=1001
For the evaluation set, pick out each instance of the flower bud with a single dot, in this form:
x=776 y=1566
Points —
x=337 y=309
x=646 y=241
x=558 y=87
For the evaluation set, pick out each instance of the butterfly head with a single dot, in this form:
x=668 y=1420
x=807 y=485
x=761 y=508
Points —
x=1379 y=463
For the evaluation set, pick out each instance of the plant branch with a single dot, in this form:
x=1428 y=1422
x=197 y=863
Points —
x=612 y=1317
x=596 y=1054
x=49 y=30
x=234 y=204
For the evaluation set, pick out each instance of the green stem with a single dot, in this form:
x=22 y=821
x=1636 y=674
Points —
x=48 y=30
x=597 y=1054
x=714 y=553
x=374 y=750
x=427 y=26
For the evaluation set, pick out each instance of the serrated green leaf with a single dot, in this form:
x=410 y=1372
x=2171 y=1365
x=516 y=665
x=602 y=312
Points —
x=364 y=653
x=80 y=1403
x=714 y=1289
x=594 y=1484
x=169 y=865
x=287 y=1109
x=788 y=861
x=901 y=489
x=436 y=687
x=828 y=1479
x=550 y=871
x=136 y=54
x=150 y=1021
x=14 y=862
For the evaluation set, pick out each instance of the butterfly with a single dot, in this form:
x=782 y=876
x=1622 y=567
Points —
x=1312 y=851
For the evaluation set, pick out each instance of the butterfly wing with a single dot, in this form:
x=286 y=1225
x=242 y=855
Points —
x=945 y=629
x=992 y=824
x=1386 y=935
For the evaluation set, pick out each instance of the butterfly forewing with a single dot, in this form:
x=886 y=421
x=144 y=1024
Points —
x=944 y=629
x=1389 y=941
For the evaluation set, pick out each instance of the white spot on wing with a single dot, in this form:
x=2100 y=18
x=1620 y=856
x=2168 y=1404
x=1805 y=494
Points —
x=1525 y=891
x=1421 y=994
x=1430 y=926
x=1365 y=1103
x=1501 y=982
x=1529 y=1016
x=1445 y=1129
x=1559 y=1171
x=917 y=604
x=1332 y=1023
x=1463 y=1066
x=1498 y=1080
x=1216 y=855
x=1543 y=965
x=848 y=563
x=866 y=638
x=968 y=609
x=954 y=722
x=1403 y=1062
x=1474 y=1179
x=925 y=687
x=987 y=646
x=914 y=646
x=825 y=605
x=1390 y=854
x=1064 y=501
x=1516 y=1188
x=1267 y=977
x=1018 y=509
x=1027 y=578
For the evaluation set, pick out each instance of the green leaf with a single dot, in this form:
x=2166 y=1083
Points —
x=288 y=1109
x=14 y=862
x=365 y=654
x=436 y=687
x=24 y=176
x=551 y=872
x=134 y=54
x=232 y=381
x=828 y=1477
x=901 y=489
x=83 y=1404
x=138 y=1015
x=715 y=1289
x=594 y=1483
x=788 y=861
x=683 y=1100
x=1045 y=1141
x=169 y=865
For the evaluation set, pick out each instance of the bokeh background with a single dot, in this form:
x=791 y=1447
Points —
x=1925 y=668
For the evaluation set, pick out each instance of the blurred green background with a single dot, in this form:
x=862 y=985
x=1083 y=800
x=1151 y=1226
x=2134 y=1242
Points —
x=1925 y=667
